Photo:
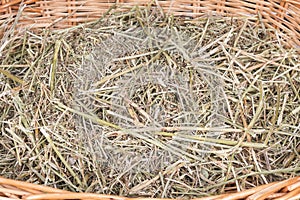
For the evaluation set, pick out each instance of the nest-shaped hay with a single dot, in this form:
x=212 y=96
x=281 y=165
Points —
x=208 y=107
x=145 y=81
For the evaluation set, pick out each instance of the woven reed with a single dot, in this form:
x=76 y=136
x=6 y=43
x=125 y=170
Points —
x=11 y=189
x=282 y=15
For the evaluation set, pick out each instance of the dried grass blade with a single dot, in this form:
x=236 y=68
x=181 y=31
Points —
x=47 y=136
x=54 y=66
x=11 y=76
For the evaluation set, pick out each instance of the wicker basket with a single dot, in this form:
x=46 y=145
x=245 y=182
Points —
x=11 y=189
x=282 y=15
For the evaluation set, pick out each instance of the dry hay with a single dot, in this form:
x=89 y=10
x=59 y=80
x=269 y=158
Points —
x=158 y=85
x=179 y=108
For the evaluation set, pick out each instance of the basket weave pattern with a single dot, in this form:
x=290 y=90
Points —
x=283 y=15
x=11 y=189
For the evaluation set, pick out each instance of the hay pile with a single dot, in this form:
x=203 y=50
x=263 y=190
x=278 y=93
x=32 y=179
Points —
x=139 y=104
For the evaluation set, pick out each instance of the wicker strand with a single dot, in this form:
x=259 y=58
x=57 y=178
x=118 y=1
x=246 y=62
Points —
x=59 y=14
x=12 y=189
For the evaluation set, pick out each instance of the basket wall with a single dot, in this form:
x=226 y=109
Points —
x=284 y=15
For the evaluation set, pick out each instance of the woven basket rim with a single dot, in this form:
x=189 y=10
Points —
x=286 y=189
x=36 y=14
